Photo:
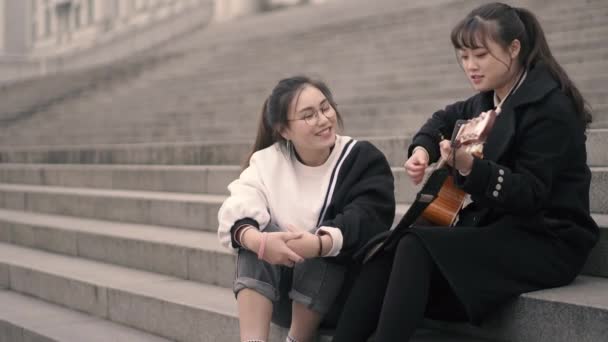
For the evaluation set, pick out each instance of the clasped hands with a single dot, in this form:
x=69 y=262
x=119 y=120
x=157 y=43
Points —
x=419 y=161
x=287 y=248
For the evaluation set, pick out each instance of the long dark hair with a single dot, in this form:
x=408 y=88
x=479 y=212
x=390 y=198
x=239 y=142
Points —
x=503 y=24
x=274 y=116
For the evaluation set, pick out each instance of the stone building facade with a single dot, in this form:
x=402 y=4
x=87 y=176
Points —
x=55 y=27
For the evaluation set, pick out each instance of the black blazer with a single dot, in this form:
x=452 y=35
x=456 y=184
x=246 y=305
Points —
x=534 y=171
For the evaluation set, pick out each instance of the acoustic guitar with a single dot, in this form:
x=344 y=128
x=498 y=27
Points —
x=440 y=200
x=470 y=135
x=443 y=207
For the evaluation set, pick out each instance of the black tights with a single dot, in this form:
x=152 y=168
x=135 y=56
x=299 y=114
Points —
x=405 y=279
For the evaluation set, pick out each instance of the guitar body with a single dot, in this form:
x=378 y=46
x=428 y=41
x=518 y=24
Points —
x=439 y=201
x=443 y=211
x=436 y=204
x=469 y=135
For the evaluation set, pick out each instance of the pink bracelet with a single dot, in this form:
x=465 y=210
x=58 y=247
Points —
x=262 y=246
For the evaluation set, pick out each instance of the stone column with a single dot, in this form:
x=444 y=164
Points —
x=228 y=9
x=64 y=30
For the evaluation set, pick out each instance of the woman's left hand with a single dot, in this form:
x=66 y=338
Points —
x=464 y=160
x=307 y=246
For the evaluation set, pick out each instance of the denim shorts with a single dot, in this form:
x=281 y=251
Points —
x=314 y=283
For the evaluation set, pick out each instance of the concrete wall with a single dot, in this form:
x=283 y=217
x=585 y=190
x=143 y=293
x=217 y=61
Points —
x=2 y=26
x=228 y=9
x=16 y=27
x=125 y=38
x=64 y=28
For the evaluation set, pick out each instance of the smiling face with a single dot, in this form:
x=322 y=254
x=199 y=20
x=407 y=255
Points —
x=312 y=125
x=489 y=66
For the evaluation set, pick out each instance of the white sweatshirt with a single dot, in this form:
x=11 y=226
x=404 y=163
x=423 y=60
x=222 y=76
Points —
x=278 y=188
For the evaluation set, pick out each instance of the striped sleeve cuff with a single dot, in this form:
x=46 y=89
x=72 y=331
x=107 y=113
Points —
x=336 y=237
x=237 y=226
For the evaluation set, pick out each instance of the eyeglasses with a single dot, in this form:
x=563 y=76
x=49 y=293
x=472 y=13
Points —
x=311 y=116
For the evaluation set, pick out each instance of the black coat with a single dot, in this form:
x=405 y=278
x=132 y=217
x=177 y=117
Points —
x=529 y=226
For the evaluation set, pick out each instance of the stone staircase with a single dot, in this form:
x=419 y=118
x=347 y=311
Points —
x=135 y=244
x=386 y=61
x=108 y=200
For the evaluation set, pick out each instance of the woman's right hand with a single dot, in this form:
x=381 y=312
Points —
x=276 y=251
x=416 y=165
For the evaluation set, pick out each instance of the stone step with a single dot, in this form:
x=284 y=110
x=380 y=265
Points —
x=365 y=48
x=173 y=308
x=205 y=179
x=210 y=84
x=187 y=311
x=211 y=180
x=34 y=320
x=354 y=12
x=395 y=147
x=189 y=118
x=362 y=57
x=391 y=78
x=377 y=89
x=406 y=118
x=191 y=211
x=597 y=263
x=388 y=12
x=366 y=117
x=25 y=96
x=371 y=43
x=187 y=254
x=358 y=108
x=181 y=253
x=162 y=305
x=205 y=153
x=218 y=152
x=360 y=122
x=598 y=194
x=441 y=68
x=362 y=119
x=426 y=95
x=299 y=19
x=391 y=26
x=409 y=23
x=547 y=315
x=403 y=79
x=365 y=57
x=221 y=74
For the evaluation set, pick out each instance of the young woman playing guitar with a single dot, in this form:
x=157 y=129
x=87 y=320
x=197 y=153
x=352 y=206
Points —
x=527 y=226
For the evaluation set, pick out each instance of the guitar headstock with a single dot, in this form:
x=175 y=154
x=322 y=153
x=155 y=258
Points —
x=474 y=132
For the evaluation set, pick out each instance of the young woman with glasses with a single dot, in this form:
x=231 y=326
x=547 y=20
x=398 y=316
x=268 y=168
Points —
x=306 y=201
x=527 y=226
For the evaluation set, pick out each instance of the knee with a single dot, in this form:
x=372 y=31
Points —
x=410 y=246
